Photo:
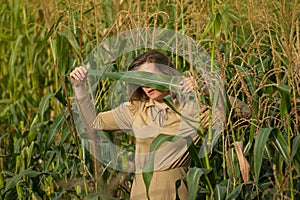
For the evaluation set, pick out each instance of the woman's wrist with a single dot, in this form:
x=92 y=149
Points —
x=80 y=91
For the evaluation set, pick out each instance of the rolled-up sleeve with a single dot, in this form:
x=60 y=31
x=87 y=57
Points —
x=119 y=118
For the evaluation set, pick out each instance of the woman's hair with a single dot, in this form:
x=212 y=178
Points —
x=161 y=61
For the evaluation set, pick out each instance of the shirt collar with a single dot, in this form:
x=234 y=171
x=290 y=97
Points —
x=151 y=103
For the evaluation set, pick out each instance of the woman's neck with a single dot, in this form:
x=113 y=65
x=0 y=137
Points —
x=160 y=104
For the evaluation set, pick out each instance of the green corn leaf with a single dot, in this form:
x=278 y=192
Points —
x=296 y=145
x=280 y=143
x=297 y=162
x=1 y=180
x=149 y=166
x=65 y=133
x=153 y=80
x=260 y=143
x=259 y=146
x=44 y=42
x=193 y=178
x=6 y=37
x=12 y=60
x=194 y=152
x=11 y=182
x=55 y=127
x=29 y=154
x=44 y=105
x=60 y=97
x=14 y=56
x=285 y=102
x=264 y=186
x=218 y=26
x=156 y=143
x=10 y=155
x=235 y=192
x=210 y=24
x=68 y=35
x=295 y=158
x=161 y=139
x=52 y=155
x=220 y=190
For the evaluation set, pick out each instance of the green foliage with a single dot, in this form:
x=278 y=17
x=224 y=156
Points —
x=149 y=166
x=153 y=80
x=193 y=178
x=255 y=46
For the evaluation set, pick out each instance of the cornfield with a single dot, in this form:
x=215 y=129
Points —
x=255 y=44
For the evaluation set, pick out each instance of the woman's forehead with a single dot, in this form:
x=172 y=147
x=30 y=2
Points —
x=149 y=67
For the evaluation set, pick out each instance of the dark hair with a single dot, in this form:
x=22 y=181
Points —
x=160 y=60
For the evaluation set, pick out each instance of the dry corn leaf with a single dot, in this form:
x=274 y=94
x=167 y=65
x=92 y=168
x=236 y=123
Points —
x=243 y=162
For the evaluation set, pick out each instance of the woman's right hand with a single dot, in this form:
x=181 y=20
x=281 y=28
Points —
x=78 y=76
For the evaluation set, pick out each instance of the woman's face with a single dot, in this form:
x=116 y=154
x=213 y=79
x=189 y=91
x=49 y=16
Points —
x=156 y=95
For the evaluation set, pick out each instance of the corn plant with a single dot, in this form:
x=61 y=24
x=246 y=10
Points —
x=254 y=45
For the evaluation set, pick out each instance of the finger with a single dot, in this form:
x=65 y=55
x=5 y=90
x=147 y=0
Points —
x=74 y=79
x=82 y=73
x=187 y=87
x=83 y=70
x=73 y=75
x=76 y=75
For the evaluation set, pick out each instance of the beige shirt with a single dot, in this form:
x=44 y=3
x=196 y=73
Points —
x=146 y=121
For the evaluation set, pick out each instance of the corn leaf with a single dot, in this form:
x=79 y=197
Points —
x=193 y=178
x=11 y=182
x=12 y=62
x=153 y=80
x=44 y=42
x=296 y=145
x=280 y=144
x=220 y=190
x=259 y=146
x=243 y=162
x=295 y=155
x=235 y=192
x=194 y=152
x=44 y=105
x=149 y=166
x=260 y=143
x=285 y=102
x=55 y=127
x=68 y=35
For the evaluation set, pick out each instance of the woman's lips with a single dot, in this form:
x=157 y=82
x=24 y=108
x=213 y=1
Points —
x=150 y=91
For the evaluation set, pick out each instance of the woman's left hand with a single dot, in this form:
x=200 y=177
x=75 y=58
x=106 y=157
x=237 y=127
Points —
x=188 y=84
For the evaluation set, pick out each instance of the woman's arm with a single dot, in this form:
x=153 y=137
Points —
x=116 y=119
x=189 y=84
x=85 y=107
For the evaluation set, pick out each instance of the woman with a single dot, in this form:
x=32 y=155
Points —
x=146 y=115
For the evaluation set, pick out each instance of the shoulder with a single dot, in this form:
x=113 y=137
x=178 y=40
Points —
x=136 y=105
x=132 y=107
